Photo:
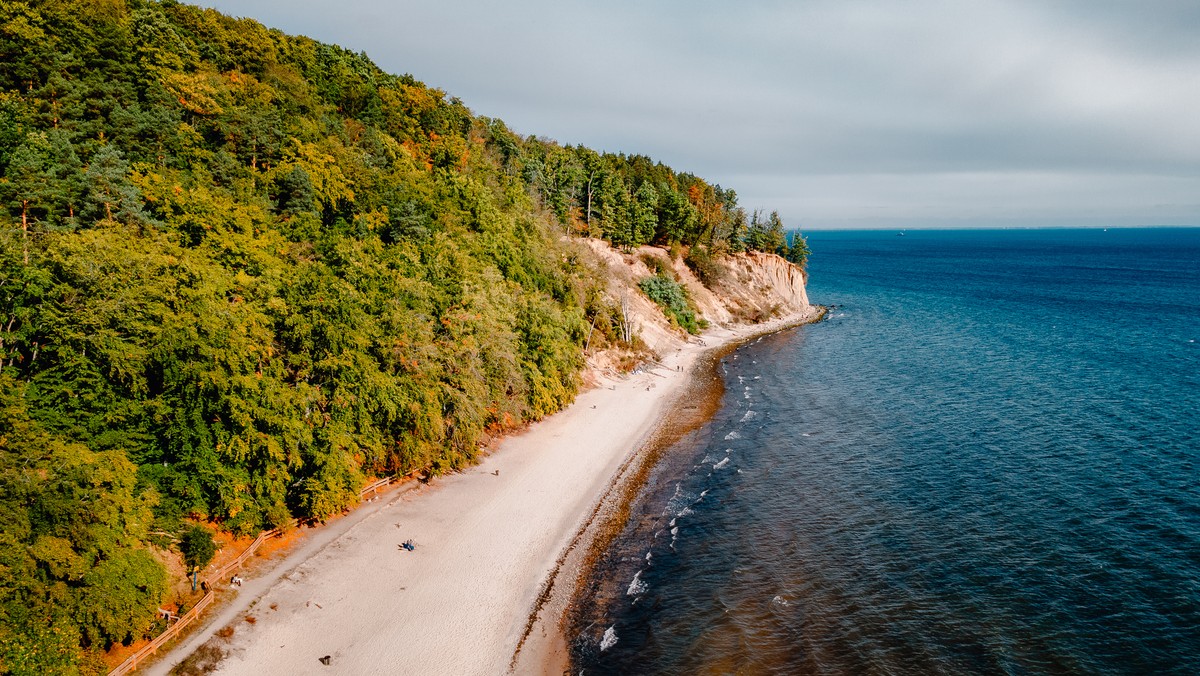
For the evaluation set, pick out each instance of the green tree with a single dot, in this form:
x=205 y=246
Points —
x=591 y=174
x=677 y=217
x=798 y=251
x=643 y=214
x=198 y=550
x=756 y=233
x=74 y=570
x=738 y=232
x=27 y=188
x=774 y=238
x=109 y=194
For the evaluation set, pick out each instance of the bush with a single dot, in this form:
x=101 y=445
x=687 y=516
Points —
x=656 y=265
x=673 y=299
x=705 y=265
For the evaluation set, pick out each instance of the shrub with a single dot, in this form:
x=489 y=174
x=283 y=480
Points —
x=656 y=265
x=702 y=262
x=673 y=299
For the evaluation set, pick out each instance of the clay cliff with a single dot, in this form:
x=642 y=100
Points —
x=747 y=288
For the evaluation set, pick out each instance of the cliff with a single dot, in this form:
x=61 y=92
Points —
x=748 y=288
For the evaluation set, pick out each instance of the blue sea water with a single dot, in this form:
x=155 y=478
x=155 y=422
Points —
x=986 y=461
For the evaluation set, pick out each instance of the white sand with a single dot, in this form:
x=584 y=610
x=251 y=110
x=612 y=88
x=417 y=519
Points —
x=486 y=545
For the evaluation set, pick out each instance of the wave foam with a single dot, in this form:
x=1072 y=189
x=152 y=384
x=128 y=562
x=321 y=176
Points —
x=610 y=638
x=679 y=500
x=636 y=586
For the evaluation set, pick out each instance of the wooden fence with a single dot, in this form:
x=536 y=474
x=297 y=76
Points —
x=172 y=631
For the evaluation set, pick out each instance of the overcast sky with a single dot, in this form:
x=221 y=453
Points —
x=837 y=113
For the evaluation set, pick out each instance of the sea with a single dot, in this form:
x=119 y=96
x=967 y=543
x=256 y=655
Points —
x=986 y=460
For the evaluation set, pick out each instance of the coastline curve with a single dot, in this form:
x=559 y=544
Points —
x=543 y=646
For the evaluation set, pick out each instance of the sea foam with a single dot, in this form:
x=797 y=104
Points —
x=610 y=638
x=636 y=586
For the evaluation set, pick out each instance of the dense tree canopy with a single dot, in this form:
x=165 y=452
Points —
x=241 y=271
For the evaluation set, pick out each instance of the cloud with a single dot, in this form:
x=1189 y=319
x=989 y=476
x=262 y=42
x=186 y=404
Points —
x=933 y=109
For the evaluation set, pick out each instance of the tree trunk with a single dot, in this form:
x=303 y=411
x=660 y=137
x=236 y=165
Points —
x=25 y=228
x=588 y=213
x=588 y=343
x=626 y=329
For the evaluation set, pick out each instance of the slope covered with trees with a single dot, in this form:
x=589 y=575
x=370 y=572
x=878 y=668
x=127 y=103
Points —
x=241 y=271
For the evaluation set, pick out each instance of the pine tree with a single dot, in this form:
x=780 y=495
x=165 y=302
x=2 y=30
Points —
x=798 y=252
x=27 y=188
x=643 y=214
x=774 y=237
x=109 y=194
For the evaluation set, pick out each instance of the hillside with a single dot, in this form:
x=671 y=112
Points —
x=242 y=272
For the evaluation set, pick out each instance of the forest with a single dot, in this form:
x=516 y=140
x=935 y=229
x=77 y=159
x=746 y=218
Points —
x=243 y=272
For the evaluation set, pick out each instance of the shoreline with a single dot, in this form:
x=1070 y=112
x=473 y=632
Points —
x=483 y=592
x=545 y=647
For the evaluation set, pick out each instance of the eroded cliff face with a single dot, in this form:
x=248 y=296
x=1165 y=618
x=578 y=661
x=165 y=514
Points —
x=753 y=287
x=749 y=288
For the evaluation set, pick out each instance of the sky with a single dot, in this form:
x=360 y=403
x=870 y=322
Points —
x=836 y=113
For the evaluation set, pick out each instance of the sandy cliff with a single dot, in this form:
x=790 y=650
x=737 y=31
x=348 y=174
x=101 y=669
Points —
x=751 y=288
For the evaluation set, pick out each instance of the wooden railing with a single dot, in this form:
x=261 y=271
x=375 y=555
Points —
x=172 y=631
x=220 y=573
x=375 y=486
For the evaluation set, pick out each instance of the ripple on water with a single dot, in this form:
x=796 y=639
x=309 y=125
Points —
x=984 y=466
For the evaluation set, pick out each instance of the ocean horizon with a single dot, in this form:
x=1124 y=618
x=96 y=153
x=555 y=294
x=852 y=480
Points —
x=983 y=461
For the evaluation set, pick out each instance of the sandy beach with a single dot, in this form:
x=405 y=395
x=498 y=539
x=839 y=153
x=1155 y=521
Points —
x=487 y=540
